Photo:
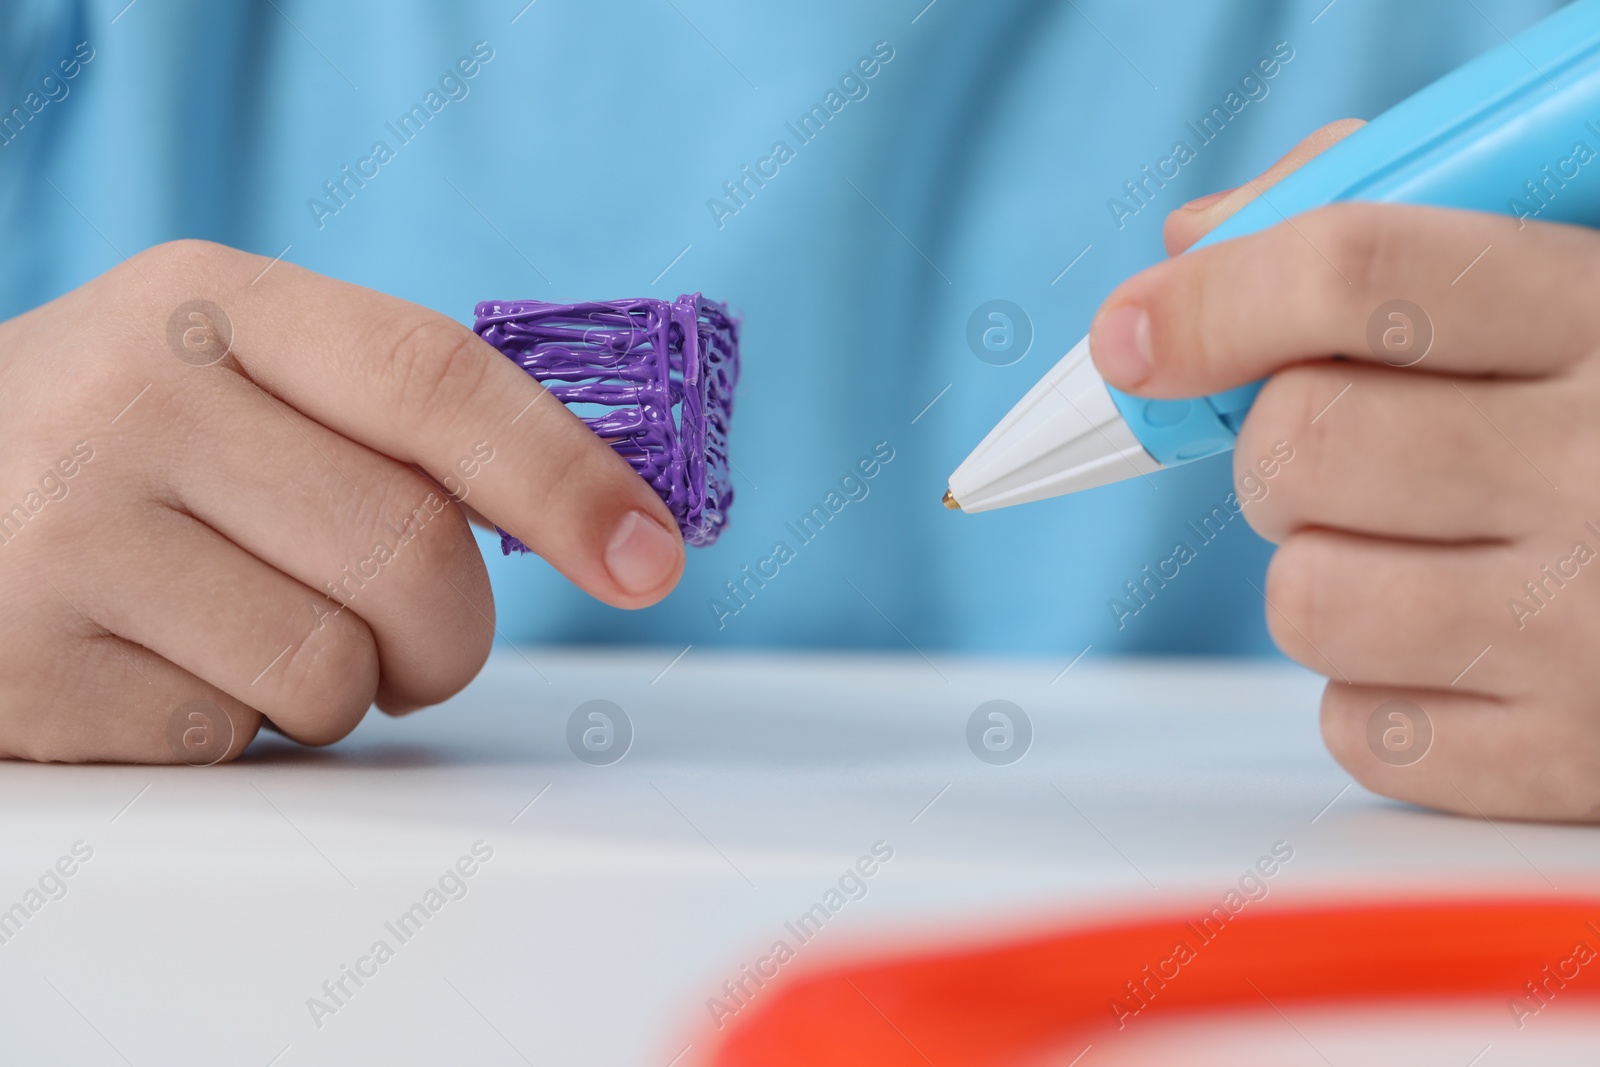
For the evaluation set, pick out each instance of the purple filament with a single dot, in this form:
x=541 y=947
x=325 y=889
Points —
x=661 y=373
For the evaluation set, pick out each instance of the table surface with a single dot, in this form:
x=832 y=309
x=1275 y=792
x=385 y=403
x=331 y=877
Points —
x=619 y=898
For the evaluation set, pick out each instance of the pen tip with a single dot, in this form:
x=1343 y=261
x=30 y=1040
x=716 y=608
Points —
x=950 y=501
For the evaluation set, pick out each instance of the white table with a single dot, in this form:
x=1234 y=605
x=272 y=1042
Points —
x=218 y=900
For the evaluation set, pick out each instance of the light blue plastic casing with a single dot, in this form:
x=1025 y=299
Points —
x=1515 y=131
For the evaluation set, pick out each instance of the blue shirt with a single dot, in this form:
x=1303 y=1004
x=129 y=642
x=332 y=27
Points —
x=856 y=180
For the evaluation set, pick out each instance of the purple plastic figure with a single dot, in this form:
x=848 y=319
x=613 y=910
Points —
x=654 y=378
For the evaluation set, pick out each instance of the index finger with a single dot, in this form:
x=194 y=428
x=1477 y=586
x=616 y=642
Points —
x=1199 y=217
x=1476 y=288
x=421 y=388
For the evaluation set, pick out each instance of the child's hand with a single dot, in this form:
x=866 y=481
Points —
x=228 y=480
x=1439 y=524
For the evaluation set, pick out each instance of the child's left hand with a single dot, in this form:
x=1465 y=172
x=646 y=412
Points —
x=1439 y=526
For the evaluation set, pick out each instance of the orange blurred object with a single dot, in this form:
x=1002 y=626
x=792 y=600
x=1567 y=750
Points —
x=1040 y=999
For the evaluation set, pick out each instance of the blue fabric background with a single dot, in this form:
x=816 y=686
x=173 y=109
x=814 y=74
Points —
x=581 y=162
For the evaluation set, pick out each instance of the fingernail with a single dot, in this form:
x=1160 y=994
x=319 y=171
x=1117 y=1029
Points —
x=641 y=554
x=1200 y=203
x=1122 y=346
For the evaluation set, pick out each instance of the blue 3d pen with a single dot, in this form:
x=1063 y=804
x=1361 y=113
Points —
x=1515 y=131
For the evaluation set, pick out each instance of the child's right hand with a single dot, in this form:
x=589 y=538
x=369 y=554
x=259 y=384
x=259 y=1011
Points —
x=220 y=481
x=1451 y=495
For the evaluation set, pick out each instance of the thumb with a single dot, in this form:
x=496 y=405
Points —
x=1199 y=217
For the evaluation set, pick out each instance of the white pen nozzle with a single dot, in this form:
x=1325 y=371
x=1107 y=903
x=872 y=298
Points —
x=1065 y=435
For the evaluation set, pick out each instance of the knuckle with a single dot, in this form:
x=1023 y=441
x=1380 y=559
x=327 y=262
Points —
x=329 y=676
x=164 y=280
x=246 y=723
x=243 y=723
x=1292 y=394
x=1342 y=720
x=184 y=262
x=93 y=383
x=440 y=542
x=425 y=537
x=1262 y=512
x=1296 y=596
x=1277 y=434
x=1343 y=724
x=1360 y=238
x=436 y=366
